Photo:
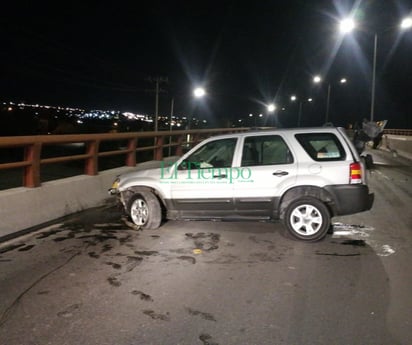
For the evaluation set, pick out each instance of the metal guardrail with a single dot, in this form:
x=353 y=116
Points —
x=406 y=132
x=33 y=148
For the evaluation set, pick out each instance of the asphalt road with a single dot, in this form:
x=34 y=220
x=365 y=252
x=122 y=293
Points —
x=91 y=280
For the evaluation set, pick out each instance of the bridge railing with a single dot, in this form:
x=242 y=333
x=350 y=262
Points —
x=406 y=132
x=133 y=143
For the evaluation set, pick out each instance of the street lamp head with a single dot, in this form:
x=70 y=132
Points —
x=317 y=79
x=293 y=98
x=343 y=81
x=271 y=108
x=406 y=23
x=310 y=99
x=199 y=92
x=346 y=25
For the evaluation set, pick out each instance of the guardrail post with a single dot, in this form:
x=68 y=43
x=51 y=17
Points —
x=131 y=156
x=92 y=162
x=179 y=147
x=196 y=139
x=31 y=177
x=158 y=152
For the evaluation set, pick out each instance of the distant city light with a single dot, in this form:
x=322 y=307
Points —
x=82 y=116
x=310 y=99
x=293 y=98
x=343 y=80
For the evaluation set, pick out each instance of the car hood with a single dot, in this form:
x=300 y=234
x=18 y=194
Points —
x=149 y=174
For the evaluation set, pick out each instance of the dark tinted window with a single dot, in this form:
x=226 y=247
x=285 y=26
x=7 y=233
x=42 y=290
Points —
x=265 y=150
x=322 y=146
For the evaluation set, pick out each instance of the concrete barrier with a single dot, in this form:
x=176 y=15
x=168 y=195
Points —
x=23 y=209
x=399 y=144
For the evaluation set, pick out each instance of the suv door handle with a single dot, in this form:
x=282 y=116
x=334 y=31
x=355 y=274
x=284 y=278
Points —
x=280 y=173
x=220 y=176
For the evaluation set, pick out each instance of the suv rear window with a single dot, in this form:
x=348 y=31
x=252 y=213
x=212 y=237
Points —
x=265 y=150
x=322 y=146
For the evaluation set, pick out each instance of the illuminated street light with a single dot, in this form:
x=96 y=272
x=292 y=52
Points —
x=406 y=23
x=294 y=98
x=251 y=116
x=317 y=79
x=199 y=92
x=271 y=108
x=346 y=26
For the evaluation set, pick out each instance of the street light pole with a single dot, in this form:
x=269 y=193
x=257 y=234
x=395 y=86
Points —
x=271 y=110
x=375 y=48
x=300 y=113
x=346 y=26
x=172 y=105
x=327 y=105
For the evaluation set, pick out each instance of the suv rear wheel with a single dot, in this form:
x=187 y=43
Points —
x=307 y=219
x=145 y=211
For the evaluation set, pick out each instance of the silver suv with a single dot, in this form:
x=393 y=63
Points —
x=302 y=177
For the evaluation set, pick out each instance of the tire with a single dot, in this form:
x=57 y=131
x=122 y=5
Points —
x=368 y=161
x=145 y=211
x=307 y=219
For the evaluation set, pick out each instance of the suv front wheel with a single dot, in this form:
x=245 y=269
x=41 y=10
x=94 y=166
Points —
x=145 y=211
x=307 y=219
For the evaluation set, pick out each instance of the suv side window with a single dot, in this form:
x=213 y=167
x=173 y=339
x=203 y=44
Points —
x=214 y=154
x=265 y=150
x=322 y=146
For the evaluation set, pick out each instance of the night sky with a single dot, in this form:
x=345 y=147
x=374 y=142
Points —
x=246 y=54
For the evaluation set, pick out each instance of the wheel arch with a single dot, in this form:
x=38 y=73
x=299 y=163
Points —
x=129 y=192
x=303 y=191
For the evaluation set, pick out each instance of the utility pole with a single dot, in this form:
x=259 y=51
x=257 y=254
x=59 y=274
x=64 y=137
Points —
x=158 y=81
x=375 y=48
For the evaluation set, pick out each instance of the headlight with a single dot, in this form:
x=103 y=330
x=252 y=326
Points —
x=115 y=186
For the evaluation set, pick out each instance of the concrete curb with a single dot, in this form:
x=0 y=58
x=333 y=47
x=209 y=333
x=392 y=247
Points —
x=22 y=209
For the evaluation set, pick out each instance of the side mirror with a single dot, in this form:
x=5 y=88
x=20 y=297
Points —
x=182 y=166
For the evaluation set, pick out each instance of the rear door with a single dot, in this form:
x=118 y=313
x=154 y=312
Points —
x=267 y=168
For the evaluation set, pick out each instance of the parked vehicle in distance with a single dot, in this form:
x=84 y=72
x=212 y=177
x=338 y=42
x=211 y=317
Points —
x=303 y=177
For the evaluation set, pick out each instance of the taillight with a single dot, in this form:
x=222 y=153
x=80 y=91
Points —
x=355 y=173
